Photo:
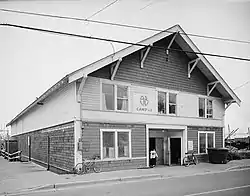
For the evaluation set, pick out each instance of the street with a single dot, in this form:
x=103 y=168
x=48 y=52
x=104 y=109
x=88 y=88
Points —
x=226 y=183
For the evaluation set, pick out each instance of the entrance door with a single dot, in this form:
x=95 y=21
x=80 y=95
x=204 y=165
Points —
x=175 y=150
x=160 y=151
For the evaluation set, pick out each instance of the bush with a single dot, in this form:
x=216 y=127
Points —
x=233 y=156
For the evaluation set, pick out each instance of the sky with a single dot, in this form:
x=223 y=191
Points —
x=31 y=62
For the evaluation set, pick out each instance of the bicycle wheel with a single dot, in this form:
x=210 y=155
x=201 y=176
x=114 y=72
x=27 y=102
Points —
x=97 y=167
x=195 y=160
x=78 y=169
x=186 y=161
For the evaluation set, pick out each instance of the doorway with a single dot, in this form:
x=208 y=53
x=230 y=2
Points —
x=175 y=151
x=158 y=145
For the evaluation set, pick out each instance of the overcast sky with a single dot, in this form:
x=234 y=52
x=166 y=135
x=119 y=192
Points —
x=31 y=62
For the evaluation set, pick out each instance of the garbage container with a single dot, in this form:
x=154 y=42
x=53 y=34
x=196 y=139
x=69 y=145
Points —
x=217 y=155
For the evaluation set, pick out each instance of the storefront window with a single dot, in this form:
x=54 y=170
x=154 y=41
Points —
x=108 y=144
x=202 y=138
x=161 y=102
x=107 y=97
x=206 y=140
x=122 y=98
x=123 y=144
x=172 y=103
x=116 y=143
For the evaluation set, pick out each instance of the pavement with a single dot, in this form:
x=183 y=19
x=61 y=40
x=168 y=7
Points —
x=24 y=177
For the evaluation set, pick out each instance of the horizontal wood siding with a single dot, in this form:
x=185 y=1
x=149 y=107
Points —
x=91 y=144
x=91 y=94
x=158 y=72
x=192 y=134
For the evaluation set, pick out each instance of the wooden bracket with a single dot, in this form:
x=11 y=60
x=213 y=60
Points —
x=144 y=55
x=214 y=84
x=116 y=68
x=170 y=44
x=191 y=67
x=228 y=104
x=81 y=88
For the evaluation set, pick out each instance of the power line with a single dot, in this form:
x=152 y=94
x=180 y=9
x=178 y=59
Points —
x=121 y=25
x=105 y=7
x=119 y=41
x=241 y=85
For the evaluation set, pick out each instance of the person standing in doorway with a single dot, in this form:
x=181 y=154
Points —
x=153 y=156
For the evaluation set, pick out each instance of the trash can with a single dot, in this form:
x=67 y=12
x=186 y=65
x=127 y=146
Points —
x=217 y=155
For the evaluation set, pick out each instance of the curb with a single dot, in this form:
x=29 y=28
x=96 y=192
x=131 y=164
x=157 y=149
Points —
x=58 y=186
x=238 y=167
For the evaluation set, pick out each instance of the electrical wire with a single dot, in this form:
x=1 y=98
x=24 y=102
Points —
x=105 y=7
x=118 y=41
x=238 y=87
x=121 y=25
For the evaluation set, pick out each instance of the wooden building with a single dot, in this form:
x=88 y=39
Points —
x=163 y=94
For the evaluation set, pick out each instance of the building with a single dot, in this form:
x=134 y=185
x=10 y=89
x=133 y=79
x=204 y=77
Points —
x=128 y=103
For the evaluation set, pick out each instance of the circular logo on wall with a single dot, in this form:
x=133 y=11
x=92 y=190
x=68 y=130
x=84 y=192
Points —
x=144 y=100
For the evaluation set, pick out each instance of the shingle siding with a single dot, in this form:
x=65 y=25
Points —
x=61 y=146
x=91 y=144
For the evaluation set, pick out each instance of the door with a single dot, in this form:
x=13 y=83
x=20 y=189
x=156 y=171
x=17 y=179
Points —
x=175 y=151
x=160 y=151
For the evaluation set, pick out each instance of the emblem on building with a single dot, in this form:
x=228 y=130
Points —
x=144 y=100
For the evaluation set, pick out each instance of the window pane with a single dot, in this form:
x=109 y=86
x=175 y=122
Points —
x=210 y=140
x=209 y=109
x=122 y=91
x=122 y=98
x=107 y=97
x=202 y=139
x=108 y=144
x=172 y=98
x=123 y=144
x=161 y=102
x=122 y=104
x=172 y=109
x=201 y=107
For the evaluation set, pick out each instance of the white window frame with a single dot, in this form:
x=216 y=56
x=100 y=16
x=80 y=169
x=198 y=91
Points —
x=115 y=95
x=167 y=102
x=206 y=100
x=206 y=146
x=116 y=131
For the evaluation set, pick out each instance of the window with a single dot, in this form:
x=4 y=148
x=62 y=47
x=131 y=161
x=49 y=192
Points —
x=205 y=108
x=107 y=97
x=115 y=143
x=205 y=140
x=114 y=97
x=122 y=98
x=172 y=103
x=167 y=99
x=162 y=102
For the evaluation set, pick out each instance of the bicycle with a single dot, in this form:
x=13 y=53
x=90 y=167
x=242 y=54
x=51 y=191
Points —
x=87 y=165
x=190 y=158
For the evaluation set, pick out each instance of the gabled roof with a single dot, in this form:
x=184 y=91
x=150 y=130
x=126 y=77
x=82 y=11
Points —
x=183 y=41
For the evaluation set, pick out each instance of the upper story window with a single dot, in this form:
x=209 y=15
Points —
x=205 y=108
x=114 y=97
x=167 y=103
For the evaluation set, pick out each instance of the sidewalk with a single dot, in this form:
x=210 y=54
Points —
x=16 y=176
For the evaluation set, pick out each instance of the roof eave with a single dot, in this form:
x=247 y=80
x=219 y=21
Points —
x=47 y=93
